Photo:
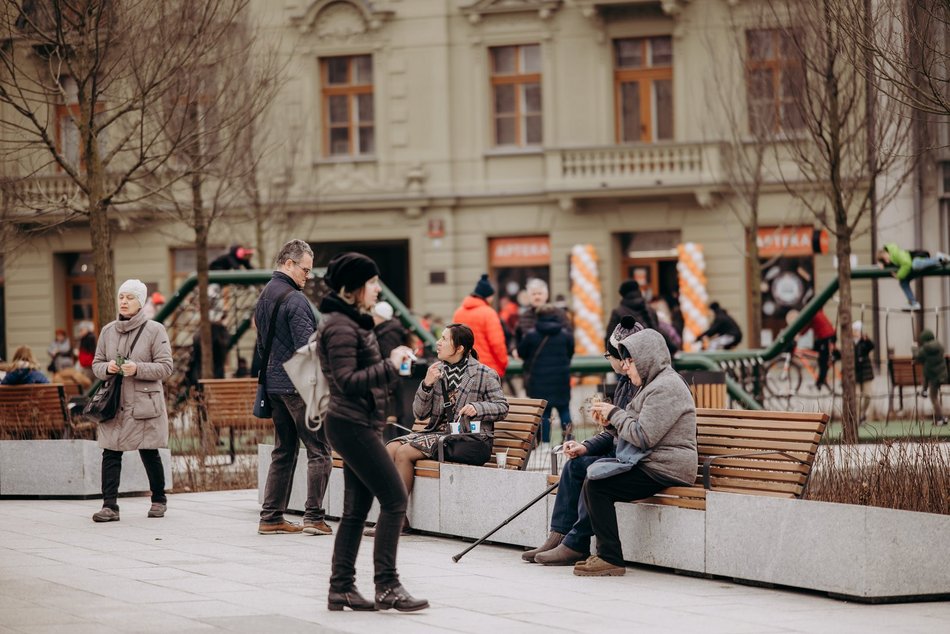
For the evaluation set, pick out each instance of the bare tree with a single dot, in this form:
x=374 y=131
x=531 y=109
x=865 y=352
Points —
x=849 y=148
x=219 y=99
x=83 y=87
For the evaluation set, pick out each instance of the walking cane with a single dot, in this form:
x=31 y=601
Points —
x=497 y=528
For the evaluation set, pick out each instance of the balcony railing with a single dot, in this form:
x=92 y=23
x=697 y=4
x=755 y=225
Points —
x=634 y=166
x=46 y=191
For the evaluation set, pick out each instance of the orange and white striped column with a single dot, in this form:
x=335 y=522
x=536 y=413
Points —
x=588 y=301
x=694 y=301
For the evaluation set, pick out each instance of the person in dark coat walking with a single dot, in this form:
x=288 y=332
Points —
x=863 y=368
x=359 y=382
x=634 y=304
x=724 y=332
x=931 y=355
x=547 y=351
x=292 y=327
x=538 y=295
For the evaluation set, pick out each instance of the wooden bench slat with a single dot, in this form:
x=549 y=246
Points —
x=702 y=423
x=755 y=445
x=751 y=474
x=761 y=414
x=741 y=484
x=761 y=434
x=778 y=466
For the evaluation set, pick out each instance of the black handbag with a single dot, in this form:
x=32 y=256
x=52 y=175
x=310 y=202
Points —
x=474 y=449
x=262 y=408
x=104 y=404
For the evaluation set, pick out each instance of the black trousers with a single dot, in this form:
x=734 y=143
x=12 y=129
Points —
x=600 y=495
x=112 y=472
x=823 y=347
x=368 y=472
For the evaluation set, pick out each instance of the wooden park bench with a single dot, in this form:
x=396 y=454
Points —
x=34 y=411
x=514 y=434
x=746 y=451
x=229 y=403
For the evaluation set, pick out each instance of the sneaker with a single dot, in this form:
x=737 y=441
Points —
x=277 y=528
x=105 y=515
x=157 y=510
x=594 y=566
x=942 y=257
x=554 y=538
x=560 y=556
x=942 y=422
x=915 y=306
x=319 y=527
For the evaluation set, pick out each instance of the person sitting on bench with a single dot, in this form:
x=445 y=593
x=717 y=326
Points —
x=569 y=539
x=656 y=446
x=456 y=387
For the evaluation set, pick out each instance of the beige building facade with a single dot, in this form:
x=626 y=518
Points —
x=449 y=139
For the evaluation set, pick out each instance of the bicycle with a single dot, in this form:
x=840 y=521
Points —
x=784 y=374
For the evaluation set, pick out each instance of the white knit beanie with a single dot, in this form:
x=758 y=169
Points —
x=135 y=287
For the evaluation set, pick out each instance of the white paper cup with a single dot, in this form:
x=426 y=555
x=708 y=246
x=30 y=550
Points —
x=455 y=428
x=501 y=458
x=475 y=426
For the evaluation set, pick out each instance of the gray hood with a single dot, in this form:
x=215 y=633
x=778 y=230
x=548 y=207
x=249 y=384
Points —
x=649 y=352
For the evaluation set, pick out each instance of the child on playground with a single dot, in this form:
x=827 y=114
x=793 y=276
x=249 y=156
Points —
x=863 y=368
x=907 y=262
x=931 y=356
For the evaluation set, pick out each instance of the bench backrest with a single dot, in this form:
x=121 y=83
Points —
x=904 y=371
x=37 y=407
x=767 y=453
x=230 y=403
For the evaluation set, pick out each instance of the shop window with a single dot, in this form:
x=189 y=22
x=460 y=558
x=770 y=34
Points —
x=774 y=78
x=68 y=142
x=643 y=89
x=516 y=94
x=81 y=295
x=348 y=110
x=516 y=260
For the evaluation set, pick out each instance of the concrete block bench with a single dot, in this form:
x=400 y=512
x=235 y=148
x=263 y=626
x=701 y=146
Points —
x=67 y=468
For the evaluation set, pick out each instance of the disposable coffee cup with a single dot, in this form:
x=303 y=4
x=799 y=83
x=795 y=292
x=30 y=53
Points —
x=455 y=428
x=475 y=426
x=501 y=458
x=405 y=368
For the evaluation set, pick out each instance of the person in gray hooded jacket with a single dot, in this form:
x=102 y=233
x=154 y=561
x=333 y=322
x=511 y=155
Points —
x=656 y=446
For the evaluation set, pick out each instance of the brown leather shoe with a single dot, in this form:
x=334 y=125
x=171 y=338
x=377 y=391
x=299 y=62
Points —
x=316 y=528
x=554 y=538
x=277 y=528
x=561 y=555
x=594 y=566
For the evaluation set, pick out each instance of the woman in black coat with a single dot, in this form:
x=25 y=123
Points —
x=359 y=383
x=546 y=352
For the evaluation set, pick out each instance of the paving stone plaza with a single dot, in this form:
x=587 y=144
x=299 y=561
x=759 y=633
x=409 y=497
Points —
x=204 y=568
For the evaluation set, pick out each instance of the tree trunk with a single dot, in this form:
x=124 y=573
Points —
x=202 y=229
x=754 y=277
x=101 y=235
x=849 y=409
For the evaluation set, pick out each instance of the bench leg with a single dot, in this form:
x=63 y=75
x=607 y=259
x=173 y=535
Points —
x=233 y=449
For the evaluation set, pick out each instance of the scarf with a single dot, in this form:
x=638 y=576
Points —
x=452 y=374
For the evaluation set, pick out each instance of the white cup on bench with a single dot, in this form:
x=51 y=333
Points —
x=501 y=459
x=455 y=428
x=475 y=426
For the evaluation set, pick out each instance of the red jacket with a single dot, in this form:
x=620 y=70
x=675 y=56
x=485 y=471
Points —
x=822 y=327
x=489 y=336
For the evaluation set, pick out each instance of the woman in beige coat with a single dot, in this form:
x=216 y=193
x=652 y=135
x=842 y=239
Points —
x=142 y=420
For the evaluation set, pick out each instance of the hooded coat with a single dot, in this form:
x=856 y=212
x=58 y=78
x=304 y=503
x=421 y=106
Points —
x=661 y=418
x=477 y=314
x=931 y=356
x=142 y=420
x=550 y=366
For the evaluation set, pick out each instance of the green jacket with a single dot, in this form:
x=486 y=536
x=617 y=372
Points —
x=930 y=355
x=901 y=259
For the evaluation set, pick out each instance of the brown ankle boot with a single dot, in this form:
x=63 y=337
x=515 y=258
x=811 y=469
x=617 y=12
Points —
x=560 y=556
x=554 y=538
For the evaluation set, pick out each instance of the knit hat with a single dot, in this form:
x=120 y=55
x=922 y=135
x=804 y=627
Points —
x=349 y=271
x=136 y=288
x=627 y=326
x=630 y=286
x=384 y=310
x=484 y=289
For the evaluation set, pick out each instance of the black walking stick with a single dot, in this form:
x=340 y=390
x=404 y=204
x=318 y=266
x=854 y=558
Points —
x=497 y=528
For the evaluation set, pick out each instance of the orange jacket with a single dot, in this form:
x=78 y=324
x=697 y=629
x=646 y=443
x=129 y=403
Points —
x=489 y=336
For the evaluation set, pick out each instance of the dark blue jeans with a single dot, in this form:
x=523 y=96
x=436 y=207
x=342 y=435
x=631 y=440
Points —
x=570 y=516
x=289 y=429
x=368 y=472
x=563 y=412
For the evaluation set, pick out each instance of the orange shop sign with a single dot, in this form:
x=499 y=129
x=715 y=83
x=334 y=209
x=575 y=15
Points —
x=791 y=241
x=523 y=251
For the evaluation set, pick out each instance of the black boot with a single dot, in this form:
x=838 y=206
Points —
x=397 y=597
x=352 y=599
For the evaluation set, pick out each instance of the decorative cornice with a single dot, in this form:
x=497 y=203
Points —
x=475 y=11
x=373 y=17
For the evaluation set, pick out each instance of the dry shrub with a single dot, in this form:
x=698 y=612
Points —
x=910 y=474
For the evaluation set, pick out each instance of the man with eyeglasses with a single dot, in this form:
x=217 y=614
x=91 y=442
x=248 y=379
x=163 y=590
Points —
x=283 y=308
